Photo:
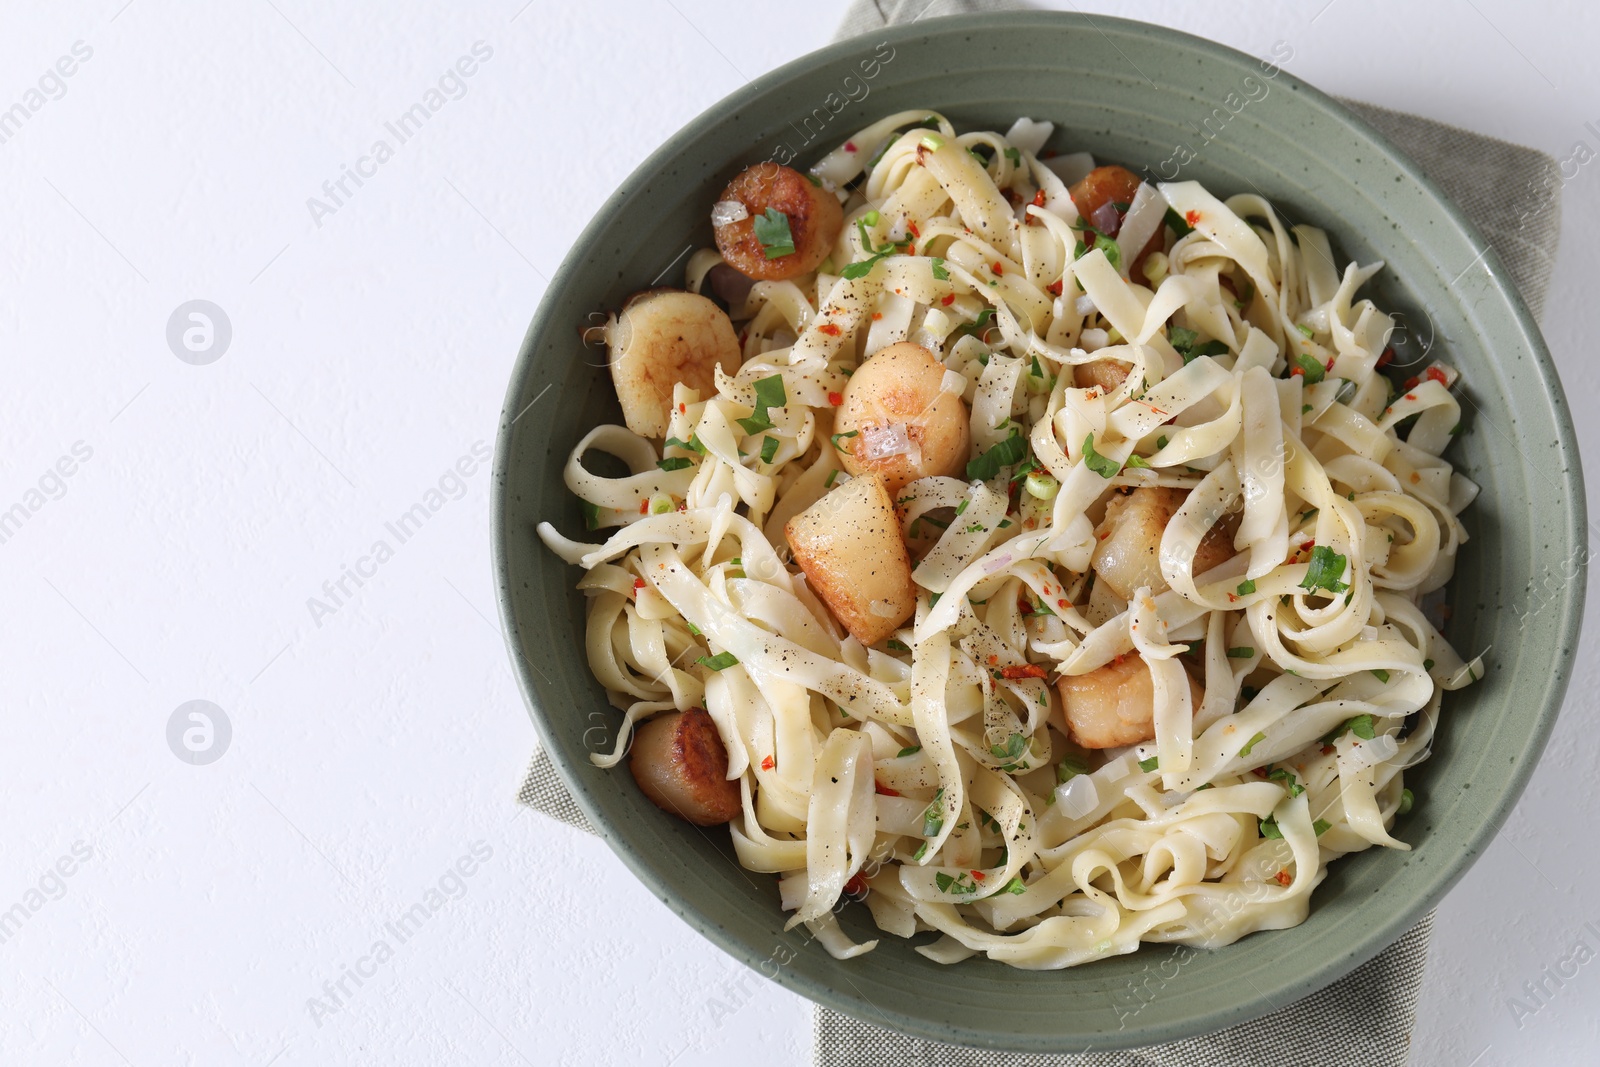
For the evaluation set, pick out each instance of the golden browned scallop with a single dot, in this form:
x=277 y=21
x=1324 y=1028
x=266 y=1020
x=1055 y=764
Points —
x=680 y=763
x=1128 y=549
x=1102 y=374
x=661 y=338
x=812 y=213
x=1112 y=185
x=905 y=425
x=1114 y=705
x=850 y=547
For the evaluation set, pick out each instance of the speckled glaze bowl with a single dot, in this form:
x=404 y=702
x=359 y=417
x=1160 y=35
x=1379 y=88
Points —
x=1130 y=93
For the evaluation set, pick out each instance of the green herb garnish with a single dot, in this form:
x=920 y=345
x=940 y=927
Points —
x=1326 y=570
x=772 y=232
x=720 y=662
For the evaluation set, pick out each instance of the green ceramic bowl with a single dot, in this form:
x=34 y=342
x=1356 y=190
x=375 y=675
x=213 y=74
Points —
x=1519 y=584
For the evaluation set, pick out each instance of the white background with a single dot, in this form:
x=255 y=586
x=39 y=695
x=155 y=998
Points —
x=374 y=746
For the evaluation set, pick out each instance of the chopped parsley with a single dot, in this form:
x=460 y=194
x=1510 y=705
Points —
x=770 y=393
x=772 y=232
x=939 y=273
x=1326 y=571
x=898 y=645
x=959 y=885
x=1070 y=768
x=1269 y=828
x=1188 y=345
x=1014 y=747
x=673 y=463
x=1015 y=157
x=1287 y=777
x=1246 y=587
x=1150 y=764
x=933 y=816
x=1016 y=886
x=1380 y=674
x=691 y=445
x=1321 y=826
x=720 y=662
x=769 y=448
x=1361 y=726
x=1101 y=465
x=910 y=750
x=591 y=514
x=1242 y=652
x=1176 y=223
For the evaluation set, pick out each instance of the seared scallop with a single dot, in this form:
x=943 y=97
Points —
x=785 y=203
x=662 y=338
x=680 y=763
x=897 y=419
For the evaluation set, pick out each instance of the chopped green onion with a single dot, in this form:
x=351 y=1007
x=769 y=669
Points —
x=1245 y=751
x=1161 y=442
x=871 y=218
x=1042 y=486
x=1242 y=652
x=910 y=750
x=1015 y=157
x=1311 y=367
x=661 y=503
x=1269 y=828
x=842 y=436
x=673 y=463
x=897 y=645
x=833 y=474
x=922 y=850
x=694 y=629
x=1427 y=664
x=932 y=142
x=1177 y=224
x=1309 y=333
x=1406 y=800
x=591 y=514
x=1381 y=675
x=989 y=463
x=1321 y=826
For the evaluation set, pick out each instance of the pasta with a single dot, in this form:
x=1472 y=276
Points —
x=1055 y=562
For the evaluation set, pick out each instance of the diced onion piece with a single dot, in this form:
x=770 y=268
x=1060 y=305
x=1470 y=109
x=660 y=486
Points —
x=1078 y=796
x=953 y=382
x=727 y=212
x=1093 y=340
x=1373 y=751
x=881 y=442
x=1105 y=218
x=1084 y=305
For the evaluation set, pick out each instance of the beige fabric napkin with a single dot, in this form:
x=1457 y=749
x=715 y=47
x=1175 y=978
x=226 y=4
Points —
x=1364 y=1020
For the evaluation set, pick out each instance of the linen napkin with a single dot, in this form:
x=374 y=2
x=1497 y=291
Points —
x=1513 y=194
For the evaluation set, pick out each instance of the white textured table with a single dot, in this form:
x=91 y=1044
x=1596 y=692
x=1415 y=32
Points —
x=348 y=881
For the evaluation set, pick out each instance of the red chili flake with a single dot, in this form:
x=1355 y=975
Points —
x=1328 y=365
x=1026 y=670
x=977 y=876
x=638 y=584
x=835 y=399
x=849 y=146
x=911 y=250
x=993 y=660
x=912 y=228
x=831 y=329
x=876 y=315
x=1038 y=198
x=1055 y=287
x=999 y=269
x=1385 y=359
x=683 y=409
x=1296 y=370
x=884 y=790
x=1259 y=772
x=768 y=763
x=1410 y=396
x=1192 y=218
x=644 y=507
x=1061 y=603
x=1328 y=750
x=857 y=886
x=1232 y=599
x=1283 y=878
x=1307 y=546
x=1412 y=383
x=949 y=298
x=1438 y=375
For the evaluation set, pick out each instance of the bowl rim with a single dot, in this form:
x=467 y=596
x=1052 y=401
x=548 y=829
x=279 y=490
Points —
x=1364 y=943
